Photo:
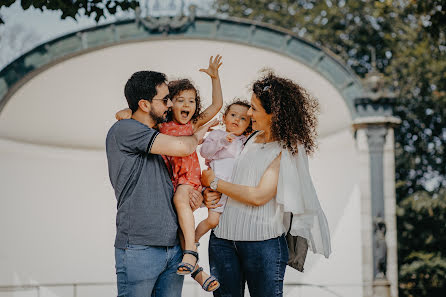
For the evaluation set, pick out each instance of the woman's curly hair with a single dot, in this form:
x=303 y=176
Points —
x=176 y=87
x=294 y=111
x=241 y=102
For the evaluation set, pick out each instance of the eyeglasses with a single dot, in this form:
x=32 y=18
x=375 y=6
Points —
x=165 y=100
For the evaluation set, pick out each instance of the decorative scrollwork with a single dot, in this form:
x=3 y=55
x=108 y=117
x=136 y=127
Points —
x=166 y=24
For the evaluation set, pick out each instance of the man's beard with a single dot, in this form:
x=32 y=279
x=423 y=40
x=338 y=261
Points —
x=158 y=119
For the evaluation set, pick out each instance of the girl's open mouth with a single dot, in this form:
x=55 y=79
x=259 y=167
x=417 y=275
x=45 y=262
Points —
x=184 y=113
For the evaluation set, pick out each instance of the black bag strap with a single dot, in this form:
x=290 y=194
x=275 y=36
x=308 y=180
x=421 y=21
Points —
x=250 y=136
x=291 y=222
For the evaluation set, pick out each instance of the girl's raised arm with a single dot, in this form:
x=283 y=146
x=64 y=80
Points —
x=217 y=96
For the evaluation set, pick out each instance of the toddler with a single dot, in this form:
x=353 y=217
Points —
x=220 y=149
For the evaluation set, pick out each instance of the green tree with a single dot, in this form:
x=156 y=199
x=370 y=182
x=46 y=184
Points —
x=409 y=39
x=432 y=13
x=74 y=8
x=421 y=244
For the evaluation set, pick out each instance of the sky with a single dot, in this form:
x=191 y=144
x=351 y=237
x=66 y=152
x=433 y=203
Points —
x=24 y=30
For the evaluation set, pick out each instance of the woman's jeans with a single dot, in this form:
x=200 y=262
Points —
x=148 y=271
x=261 y=264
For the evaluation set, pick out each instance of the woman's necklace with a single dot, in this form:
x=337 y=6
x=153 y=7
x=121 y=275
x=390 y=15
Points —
x=263 y=141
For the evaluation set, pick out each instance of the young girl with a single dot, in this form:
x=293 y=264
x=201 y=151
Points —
x=184 y=119
x=220 y=149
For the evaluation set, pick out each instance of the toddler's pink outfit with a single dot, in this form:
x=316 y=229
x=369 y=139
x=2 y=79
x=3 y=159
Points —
x=220 y=155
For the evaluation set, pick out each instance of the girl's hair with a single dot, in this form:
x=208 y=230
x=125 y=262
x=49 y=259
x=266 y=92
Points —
x=294 y=111
x=241 y=102
x=176 y=87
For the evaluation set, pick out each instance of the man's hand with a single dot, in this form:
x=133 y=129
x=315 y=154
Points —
x=195 y=199
x=214 y=64
x=207 y=176
x=211 y=198
x=124 y=114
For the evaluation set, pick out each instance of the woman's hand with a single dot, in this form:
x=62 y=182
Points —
x=214 y=64
x=207 y=176
x=211 y=198
x=124 y=114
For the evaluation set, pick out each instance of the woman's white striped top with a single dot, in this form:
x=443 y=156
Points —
x=252 y=223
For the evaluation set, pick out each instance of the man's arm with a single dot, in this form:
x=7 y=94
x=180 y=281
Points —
x=180 y=146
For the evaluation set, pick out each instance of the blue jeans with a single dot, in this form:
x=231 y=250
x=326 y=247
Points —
x=148 y=271
x=261 y=264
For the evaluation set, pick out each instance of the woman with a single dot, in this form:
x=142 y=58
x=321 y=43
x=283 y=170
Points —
x=271 y=182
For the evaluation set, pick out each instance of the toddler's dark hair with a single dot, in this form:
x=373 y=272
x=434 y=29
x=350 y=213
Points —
x=176 y=87
x=241 y=102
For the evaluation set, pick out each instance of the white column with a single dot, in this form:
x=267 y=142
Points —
x=390 y=212
x=366 y=213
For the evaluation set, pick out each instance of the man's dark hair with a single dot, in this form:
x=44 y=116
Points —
x=142 y=85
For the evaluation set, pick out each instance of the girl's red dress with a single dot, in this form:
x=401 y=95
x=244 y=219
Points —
x=184 y=170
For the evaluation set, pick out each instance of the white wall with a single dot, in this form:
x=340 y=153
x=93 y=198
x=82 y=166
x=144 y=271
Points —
x=73 y=103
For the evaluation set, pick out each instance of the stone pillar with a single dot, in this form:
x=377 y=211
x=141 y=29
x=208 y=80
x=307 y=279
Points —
x=374 y=134
x=375 y=144
x=374 y=122
x=366 y=212
x=373 y=127
x=376 y=137
x=390 y=211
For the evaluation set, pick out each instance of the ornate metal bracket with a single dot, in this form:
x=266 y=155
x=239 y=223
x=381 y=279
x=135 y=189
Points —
x=166 y=24
x=380 y=248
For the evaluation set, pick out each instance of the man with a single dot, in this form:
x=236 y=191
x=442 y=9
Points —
x=147 y=249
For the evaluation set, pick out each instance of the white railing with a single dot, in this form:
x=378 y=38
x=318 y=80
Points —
x=109 y=289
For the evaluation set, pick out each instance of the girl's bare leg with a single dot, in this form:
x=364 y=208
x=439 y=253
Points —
x=186 y=220
x=207 y=224
x=181 y=237
x=187 y=225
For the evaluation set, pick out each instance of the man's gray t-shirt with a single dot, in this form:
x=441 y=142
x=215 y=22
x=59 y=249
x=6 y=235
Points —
x=142 y=185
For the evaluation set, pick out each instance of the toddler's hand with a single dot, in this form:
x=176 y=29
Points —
x=214 y=64
x=123 y=114
x=230 y=137
x=211 y=198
